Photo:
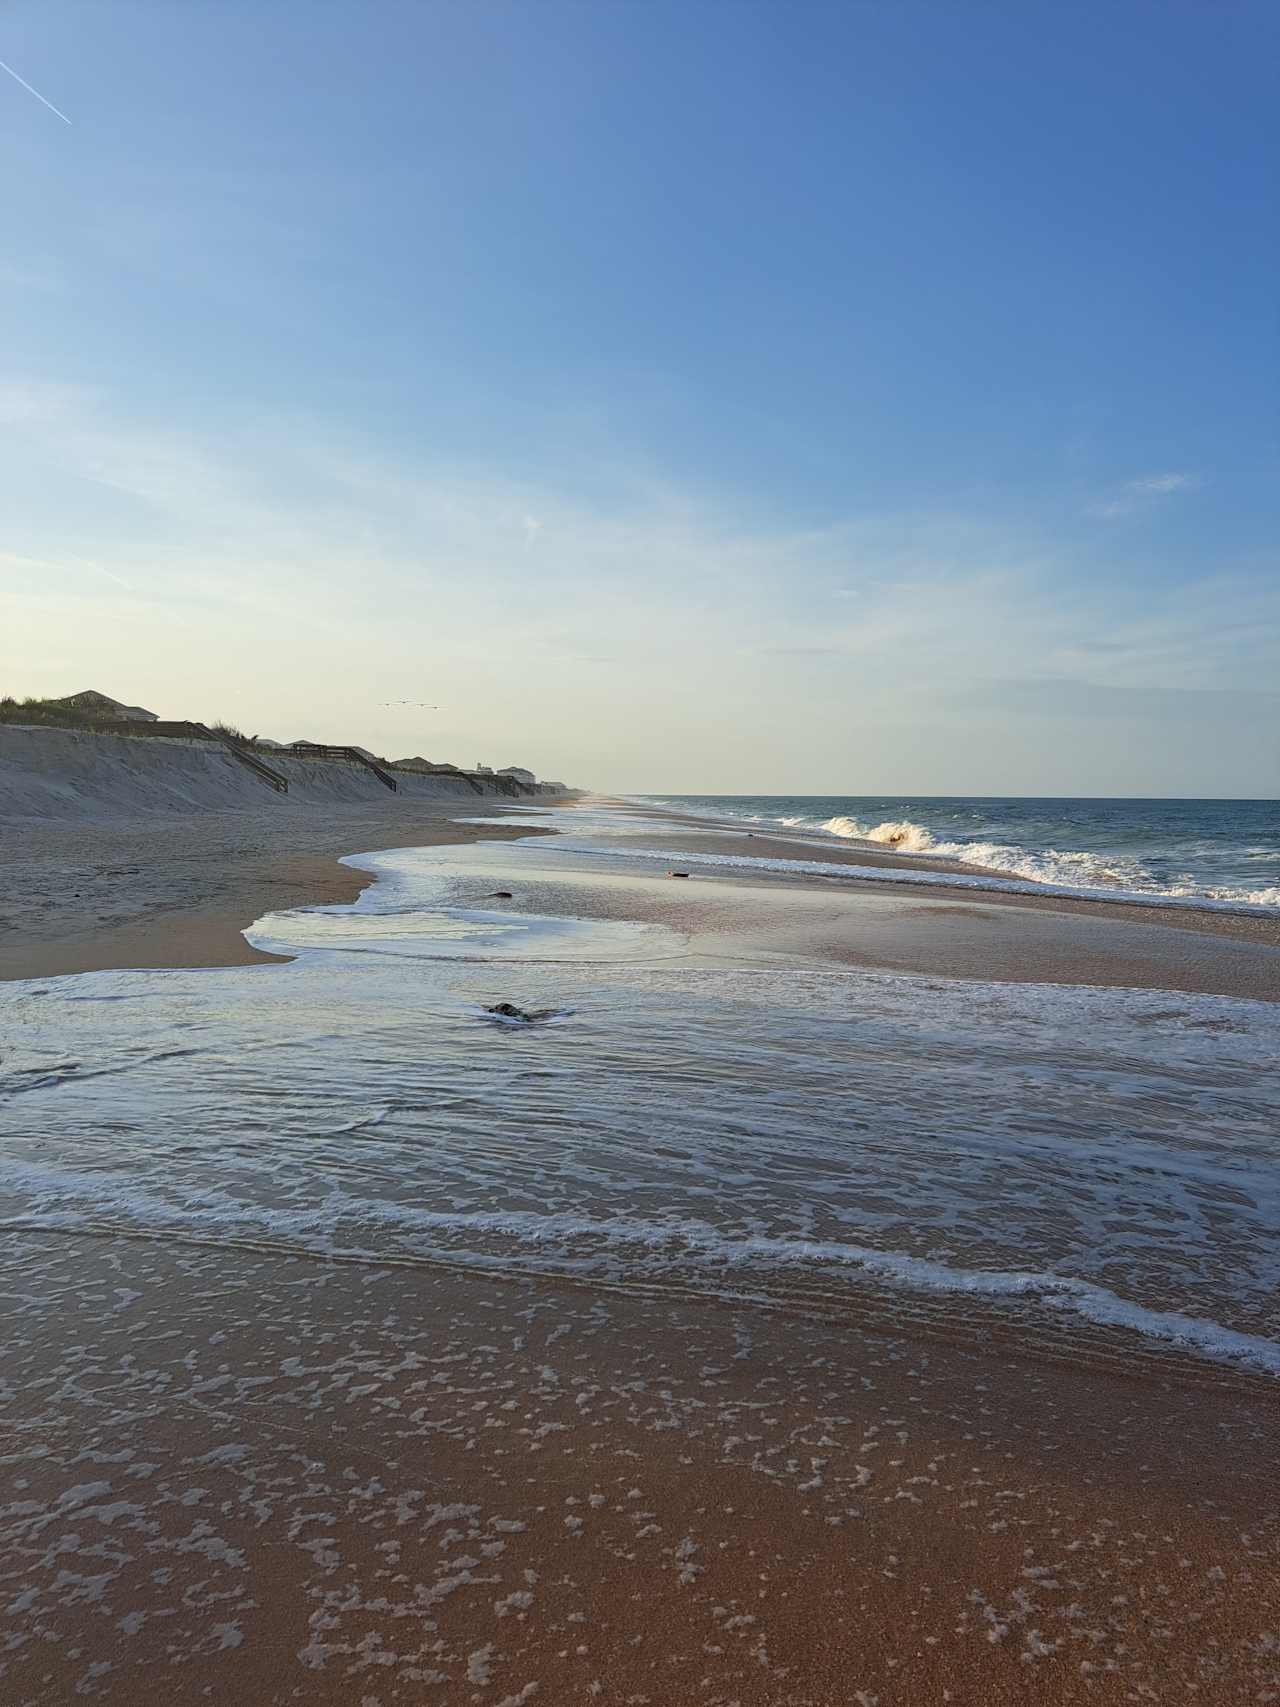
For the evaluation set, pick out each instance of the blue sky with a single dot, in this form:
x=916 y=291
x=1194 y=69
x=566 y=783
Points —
x=706 y=396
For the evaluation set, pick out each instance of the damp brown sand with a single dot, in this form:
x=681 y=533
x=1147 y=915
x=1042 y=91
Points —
x=238 y=1475
x=179 y=892
x=705 y=837
x=747 y=917
x=84 y=897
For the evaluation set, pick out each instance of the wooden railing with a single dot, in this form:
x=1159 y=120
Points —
x=316 y=749
x=201 y=732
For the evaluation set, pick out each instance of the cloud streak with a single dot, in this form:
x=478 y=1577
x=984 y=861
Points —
x=39 y=97
x=1159 y=484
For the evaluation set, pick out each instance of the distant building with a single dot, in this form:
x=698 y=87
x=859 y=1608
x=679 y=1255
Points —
x=483 y=770
x=431 y=766
x=518 y=773
x=95 y=704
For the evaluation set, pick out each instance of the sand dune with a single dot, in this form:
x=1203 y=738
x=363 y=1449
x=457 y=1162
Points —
x=57 y=774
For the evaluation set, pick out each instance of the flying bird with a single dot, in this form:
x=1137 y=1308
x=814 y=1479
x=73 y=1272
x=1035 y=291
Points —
x=420 y=703
x=39 y=97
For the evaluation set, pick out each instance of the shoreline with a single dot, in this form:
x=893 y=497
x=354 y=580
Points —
x=1249 y=922
x=869 y=852
x=192 y=885
x=261 y=1471
x=149 y=895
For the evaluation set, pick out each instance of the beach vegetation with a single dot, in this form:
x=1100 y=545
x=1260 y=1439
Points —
x=63 y=714
x=229 y=732
x=51 y=712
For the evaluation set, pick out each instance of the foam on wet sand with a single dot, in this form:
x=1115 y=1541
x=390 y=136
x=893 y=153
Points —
x=292 y=1480
x=754 y=1330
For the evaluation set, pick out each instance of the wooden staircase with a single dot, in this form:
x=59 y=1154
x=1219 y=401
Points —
x=353 y=755
x=201 y=732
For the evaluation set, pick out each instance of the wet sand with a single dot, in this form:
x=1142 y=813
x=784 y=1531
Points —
x=1242 y=927
x=179 y=891
x=241 y=1474
x=230 y=1471
x=753 y=917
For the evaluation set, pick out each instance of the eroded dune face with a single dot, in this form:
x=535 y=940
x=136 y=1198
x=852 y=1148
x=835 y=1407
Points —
x=64 y=774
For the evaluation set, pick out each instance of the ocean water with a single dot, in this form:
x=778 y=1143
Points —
x=1223 y=850
x=1093 y=1171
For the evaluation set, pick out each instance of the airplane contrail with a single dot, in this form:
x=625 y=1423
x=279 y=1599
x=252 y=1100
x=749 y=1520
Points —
x=39 y=97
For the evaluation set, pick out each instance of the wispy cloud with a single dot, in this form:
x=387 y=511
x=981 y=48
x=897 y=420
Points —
x=191 y=558
x=1157 y=484
x=1141 y=493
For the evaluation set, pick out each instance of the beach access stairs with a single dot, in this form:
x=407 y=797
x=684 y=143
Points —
x=124 y=768
x=201 y=732
x=353 y=755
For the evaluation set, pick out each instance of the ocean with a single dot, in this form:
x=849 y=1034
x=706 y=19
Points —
x=1222 y=850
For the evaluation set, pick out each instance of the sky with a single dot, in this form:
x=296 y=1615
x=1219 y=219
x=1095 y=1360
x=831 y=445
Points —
x=709 y=397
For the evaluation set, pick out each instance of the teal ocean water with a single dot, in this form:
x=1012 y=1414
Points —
x=1224 y=850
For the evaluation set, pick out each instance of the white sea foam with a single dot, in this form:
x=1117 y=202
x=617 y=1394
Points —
x=894 y=833
x=1103 y=872
x=1079 y=870
x=847 y=827
x=946 y=879
x=1109 y=1156
x=449 y=933
x=344 y=1225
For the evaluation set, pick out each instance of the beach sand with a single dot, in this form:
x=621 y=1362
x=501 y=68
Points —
x=236 y=1472
x=245 y=1475
x=178 y=891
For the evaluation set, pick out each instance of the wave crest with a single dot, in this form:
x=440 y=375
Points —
x=1048 y=865
x=893 y=833
x=1054 y=865
x=902 y=833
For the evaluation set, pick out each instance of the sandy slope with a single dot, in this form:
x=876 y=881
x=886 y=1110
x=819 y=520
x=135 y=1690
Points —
x=48 y=774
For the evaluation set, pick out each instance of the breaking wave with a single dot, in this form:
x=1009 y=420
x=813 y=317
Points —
x=894 y=833
x=1047 y=865
x=1223 y=852
x=1074 y=889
